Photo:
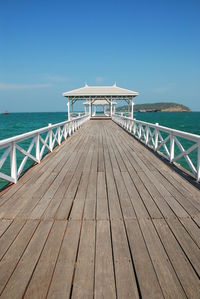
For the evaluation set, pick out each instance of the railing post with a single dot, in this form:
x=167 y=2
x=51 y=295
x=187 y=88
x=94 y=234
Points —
x=156 y=137
x=171 y=158
x=50 y=138
x=198 y=163
x=13 y=162
x=70 y=129
x=65 y=132
x=131 y=127
x=140 y=131
x=59 y=138
x=127 y=125
x=37 y=147
x=147 y=135
x=134 y=126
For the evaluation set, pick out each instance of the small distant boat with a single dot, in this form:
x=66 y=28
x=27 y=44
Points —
x=5 y=112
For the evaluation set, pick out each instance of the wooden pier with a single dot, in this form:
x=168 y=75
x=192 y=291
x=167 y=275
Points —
x=100 y=217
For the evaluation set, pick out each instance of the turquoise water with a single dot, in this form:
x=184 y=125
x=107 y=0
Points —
x=17 y=123
x=184 y=121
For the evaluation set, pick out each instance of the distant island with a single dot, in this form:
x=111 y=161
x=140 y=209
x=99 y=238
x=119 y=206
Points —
x=156 y=107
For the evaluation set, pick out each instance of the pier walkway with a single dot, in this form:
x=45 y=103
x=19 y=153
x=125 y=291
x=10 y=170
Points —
x=100 y=217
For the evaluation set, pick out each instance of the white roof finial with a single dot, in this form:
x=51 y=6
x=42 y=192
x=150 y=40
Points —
x=86 y=85
x=115 y=84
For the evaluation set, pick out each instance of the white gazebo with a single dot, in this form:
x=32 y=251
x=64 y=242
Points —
x=94 y=96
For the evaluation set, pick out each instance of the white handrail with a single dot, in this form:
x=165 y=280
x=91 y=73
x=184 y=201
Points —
x=151 y=135
x=55 y=134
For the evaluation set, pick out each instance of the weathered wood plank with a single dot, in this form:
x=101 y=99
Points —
x=183 y=268
x=104 y=273
x=63 y=274
x=125 y=277
x=146 y=275
x=167 y=277
x=45 y=266
x=16 y=250
x=83 y=286
x=16 y=285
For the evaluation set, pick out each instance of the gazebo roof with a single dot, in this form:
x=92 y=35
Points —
x=101 y=91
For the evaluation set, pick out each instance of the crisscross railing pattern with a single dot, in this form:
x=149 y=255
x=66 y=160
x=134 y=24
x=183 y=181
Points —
x=39 y=143
x=165 y=141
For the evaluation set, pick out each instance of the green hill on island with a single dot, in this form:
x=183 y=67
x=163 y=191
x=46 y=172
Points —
x=156 y=107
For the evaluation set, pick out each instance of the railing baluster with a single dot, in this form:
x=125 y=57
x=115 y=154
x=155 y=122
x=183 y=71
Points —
x=50 y=138
x=59 y=137
x=65 y=132
x=156 y=137
x=13 y=162
x=147 y=135
x=37 y=147
x=171 y=148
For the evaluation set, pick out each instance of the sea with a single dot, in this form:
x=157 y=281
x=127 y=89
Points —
x=14 y=124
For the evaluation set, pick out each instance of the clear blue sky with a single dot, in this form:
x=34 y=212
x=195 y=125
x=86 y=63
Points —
x=47 y=47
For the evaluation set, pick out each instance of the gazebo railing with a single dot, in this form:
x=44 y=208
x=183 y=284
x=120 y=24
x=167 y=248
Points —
x=33 y=146
x=167 y=142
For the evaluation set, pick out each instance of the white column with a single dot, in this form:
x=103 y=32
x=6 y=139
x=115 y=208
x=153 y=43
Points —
x=68 y=109
x=114 y=108
x=132 y=109
x=111 y=108
x=85 y=109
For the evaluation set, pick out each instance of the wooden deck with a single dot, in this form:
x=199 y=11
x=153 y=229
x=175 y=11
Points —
x=100 y=217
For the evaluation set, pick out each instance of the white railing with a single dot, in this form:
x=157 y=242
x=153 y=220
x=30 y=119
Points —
x=39 y=143
x=165 y=141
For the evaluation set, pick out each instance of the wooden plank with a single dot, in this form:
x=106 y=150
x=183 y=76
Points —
x=79 y=201
x=4 y=224
x=83 y=285
x=187 y=276
x=45 y=266
x=125 y=278
x=104 y=273
x=63 y=274
x=66 y=204
x=113 y=199
x=102 y=201
x=184 y=202
x=192 y=229
x=190 y=248
x=168 y=280
x=100 y=155
x=138 y=204
x=91 y=197
x=16 y=286
x=146 y=275
x=126 y=204
x=14 y=253
x=9 y=236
